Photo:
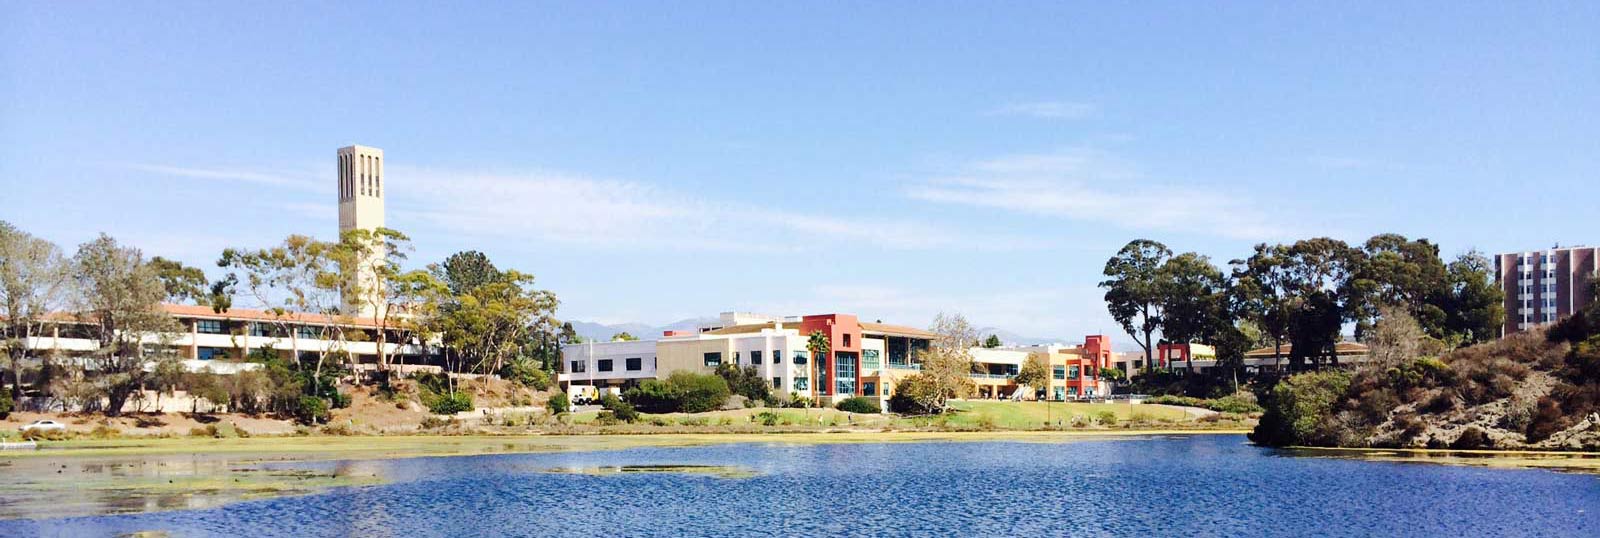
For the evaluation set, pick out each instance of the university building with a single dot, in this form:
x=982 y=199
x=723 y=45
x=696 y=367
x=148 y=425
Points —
x=221 y=341
x=1542 y=286
x=863 y=359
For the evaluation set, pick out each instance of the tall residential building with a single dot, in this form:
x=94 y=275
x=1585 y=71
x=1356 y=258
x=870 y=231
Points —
x=1542 y=286
x=361 y=208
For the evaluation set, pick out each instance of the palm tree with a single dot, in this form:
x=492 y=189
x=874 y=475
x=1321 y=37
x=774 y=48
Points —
x=817 y=344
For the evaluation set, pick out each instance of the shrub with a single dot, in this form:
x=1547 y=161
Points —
x=1298 y=407
x=618 y=408
x=681 y=392
x=311 y=410
x=859 y=404
x=766 y=418
x=745 y=381
x=6 y=405
x=1471 y=439
x=342 y=429
x=558 y=403
x=606 y=418
x=526 y=372
x=450 y=404
x=339 y=400
x=432 y=422
x=1105 y=418
x=105 y=432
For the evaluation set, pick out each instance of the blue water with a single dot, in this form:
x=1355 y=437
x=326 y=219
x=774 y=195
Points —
x=1167 y=486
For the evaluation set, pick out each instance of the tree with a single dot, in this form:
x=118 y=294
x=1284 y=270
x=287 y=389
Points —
x=300 y=276
x=1474 y=305
x=1194 y=301
x=946 y=365
x=1397 y=271
x=33 y=284
x=1263 y=294
x=121 y=297
x=1394 y=340
x=1035 y=373
x=1134 y=291
x=492 y=322
x=992 y=342
x=745 y=381
x=369 y=270
x=1321 y=272
x=183 y=283
x=466 y=270
x=623 y=337
x=817 y=345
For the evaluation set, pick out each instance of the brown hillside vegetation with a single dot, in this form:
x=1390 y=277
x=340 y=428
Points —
x=1538 y=389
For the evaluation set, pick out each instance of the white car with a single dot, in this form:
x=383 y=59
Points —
x=42 y=426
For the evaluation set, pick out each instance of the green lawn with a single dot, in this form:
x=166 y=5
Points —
x=1026 y=415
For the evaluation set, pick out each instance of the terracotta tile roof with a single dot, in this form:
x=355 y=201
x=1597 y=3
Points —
x=237 y=314
x=895 y=330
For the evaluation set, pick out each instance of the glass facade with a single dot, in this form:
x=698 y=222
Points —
x=209 y=353
x=845 y=365
x=210 y=326
x=870 y=359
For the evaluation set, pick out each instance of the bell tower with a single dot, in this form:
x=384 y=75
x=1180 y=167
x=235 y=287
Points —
x=361 y=208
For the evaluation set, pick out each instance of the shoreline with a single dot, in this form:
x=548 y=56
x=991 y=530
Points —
x=321 y=448
x=1546 y=460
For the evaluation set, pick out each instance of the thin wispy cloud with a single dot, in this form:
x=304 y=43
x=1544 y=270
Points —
x=1053 y=110
x=1093 y=186
x=276 y=179
x=569 y=208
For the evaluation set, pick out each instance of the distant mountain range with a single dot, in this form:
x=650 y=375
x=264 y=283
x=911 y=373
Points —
x=601 y=332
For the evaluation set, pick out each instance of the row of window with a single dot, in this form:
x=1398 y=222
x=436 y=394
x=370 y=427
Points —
x=632 y=364
x=713 y=359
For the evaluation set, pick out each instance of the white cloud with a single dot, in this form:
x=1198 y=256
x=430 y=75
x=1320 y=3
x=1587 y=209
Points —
x=1055 y=110
x=602 y=212
x=275 y=179
x=1093 y=186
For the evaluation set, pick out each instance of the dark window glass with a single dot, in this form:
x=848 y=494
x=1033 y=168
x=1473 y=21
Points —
x=634 y=364
x=577 y=367
x=211 y=326
x=604 y=365
x=714 y=359
x=755 y=357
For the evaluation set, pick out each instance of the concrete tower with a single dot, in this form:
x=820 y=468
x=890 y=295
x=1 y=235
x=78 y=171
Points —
x=361 y=208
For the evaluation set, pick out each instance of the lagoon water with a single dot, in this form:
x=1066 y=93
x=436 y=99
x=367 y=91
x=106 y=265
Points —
x=1151 y=486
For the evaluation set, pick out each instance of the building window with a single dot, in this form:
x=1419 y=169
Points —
x=1072 y=372
x=210 y=326
x=777 y=383
x=870 y=359
x=755 y=357
x=799 y=357
x=845 y=381
x=822 y=373
x=736 y=357
x=604 y=365
x=869 y=388
x=714 y=359
x=578 y=367
x=209 y=353
x=847 y=340
x=1060 y=372
x=777 y=357
x=634 y=364
x=801 y=383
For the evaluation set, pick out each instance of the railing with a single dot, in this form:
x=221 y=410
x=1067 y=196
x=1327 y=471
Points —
x=893 y=366
x=989 y=376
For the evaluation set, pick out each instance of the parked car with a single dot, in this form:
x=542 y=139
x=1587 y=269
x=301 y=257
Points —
x=43 y=426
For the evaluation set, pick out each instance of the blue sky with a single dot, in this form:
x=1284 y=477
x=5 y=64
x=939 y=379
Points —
x=652 y=162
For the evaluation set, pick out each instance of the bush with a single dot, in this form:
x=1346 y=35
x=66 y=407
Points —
x=311 y=410
x=618 y=408
x=526 y=372
x=745 y=382
x=6 y=405
x=558 y=403
x=339 y=400
x=450 y=404
x=105 y=432
x=1472 y=439
x=766 y=418
x=1105 y=418
x=859 y=404
x=681 y=392
x=1299 y=408
x=432 y=422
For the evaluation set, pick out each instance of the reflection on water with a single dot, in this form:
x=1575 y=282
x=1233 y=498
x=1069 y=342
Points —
x=41 y=487
x=720 y=471
x=1155 y=486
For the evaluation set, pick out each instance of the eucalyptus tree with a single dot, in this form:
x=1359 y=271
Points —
x=1474 y=306
x=120 y=297
x=1134 y=292
x=1194 y=300
x=34 y=282
x=1264 y=294
x=301 y=276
